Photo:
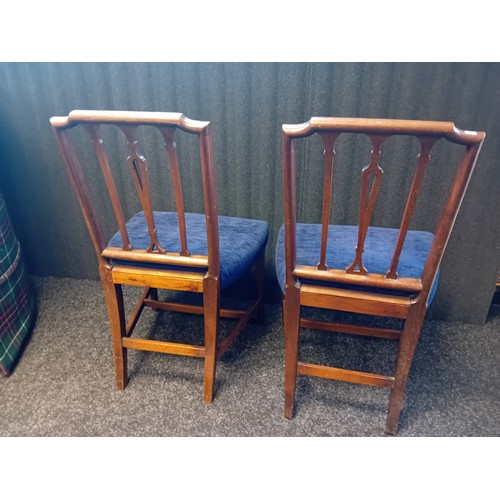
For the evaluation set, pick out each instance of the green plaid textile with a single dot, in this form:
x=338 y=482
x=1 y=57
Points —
x=17 y=304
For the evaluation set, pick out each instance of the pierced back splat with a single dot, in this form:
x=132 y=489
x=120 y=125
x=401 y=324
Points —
x=370 y=174
x=139 y=170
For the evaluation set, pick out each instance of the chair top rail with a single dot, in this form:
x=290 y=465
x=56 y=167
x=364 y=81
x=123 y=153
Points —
x=77 y=117
x=384 y=127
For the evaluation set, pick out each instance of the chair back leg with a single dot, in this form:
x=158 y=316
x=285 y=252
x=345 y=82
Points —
x=211 y=303
x=291 y=318
x=116 y=312
x=407 y=346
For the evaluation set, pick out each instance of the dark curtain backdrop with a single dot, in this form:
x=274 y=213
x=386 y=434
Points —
x=247 y=103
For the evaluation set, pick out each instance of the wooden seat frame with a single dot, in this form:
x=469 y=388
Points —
x=207 y=281
x=411 y=308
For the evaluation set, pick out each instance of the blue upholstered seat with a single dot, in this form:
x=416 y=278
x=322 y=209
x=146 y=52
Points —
x=241 y=241
x=340 y=252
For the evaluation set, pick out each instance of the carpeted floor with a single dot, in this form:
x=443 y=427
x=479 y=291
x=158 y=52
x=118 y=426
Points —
x=64 y=382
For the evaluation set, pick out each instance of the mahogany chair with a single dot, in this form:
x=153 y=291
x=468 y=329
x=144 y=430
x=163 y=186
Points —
x=180 y=251
x=369 y=270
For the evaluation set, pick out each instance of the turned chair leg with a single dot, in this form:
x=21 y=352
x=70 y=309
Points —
x=116 y=312
x=211 y=299
x=291 y=315
x=407 y=347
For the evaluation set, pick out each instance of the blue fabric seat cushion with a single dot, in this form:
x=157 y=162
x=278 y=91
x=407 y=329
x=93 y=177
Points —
x=241 y=241
x=340 y=252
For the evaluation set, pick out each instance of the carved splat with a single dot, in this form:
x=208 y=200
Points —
x=139 y=170
x=98 y=143
x=371 y=174
x=426 y=144
x=169 y=136
x=329 y=154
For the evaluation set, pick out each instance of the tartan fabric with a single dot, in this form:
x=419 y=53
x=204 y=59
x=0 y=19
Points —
x=17 y=304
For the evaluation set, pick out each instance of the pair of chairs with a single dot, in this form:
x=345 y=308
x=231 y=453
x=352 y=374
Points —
x=396 y=276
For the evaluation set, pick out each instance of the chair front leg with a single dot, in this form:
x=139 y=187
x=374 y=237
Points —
x=407 y=346
x=291 y=317
x=211 y=303
x=116 y=312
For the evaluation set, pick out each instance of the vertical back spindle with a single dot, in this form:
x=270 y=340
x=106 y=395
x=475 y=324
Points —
x=329 y=153
x=426 y=144
x=93 y=131
x=169 y=136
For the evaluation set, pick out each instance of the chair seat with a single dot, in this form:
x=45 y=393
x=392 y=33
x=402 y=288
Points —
x=241 y=241
x=340 y=252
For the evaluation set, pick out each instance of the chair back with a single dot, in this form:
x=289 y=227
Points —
x=128 y=122
x=377 y=130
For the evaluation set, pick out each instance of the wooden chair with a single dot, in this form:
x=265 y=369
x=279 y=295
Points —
x=182 y=251
x=333 y=276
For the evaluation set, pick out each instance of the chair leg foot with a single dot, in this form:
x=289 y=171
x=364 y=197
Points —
x=209 y=382
x=121 y=371
x=391 y=429
x=289 y=401
x=290 y=385
x=395 y=406
x=121 y=384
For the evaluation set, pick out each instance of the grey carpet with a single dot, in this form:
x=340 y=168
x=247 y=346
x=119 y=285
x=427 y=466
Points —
x=64 y=382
